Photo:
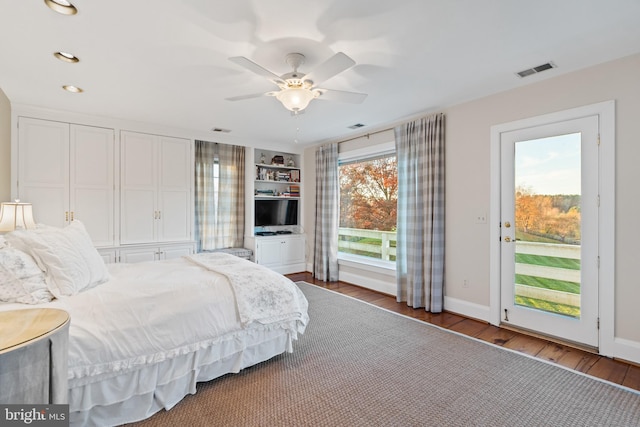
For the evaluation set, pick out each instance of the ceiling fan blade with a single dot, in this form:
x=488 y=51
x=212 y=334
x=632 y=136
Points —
x=250 y=96
x=342 y=96
x=329 y=68
x=258 y=69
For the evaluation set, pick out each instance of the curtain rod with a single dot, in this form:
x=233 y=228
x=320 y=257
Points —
x=366 y=135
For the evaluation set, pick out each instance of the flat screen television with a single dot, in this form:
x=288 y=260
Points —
x=276 y=212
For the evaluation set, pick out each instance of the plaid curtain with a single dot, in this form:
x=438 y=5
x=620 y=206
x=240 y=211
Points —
x=420 y=233
x=219 y=202
x=325 y=255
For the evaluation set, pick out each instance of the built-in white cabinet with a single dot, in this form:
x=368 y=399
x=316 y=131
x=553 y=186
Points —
x=67 y=172
x=142 y=253
x=132 y=191
x=154 y=253
x=156 y=188
x=282 y=253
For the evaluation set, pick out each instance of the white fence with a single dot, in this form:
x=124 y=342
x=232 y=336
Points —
x=569 y=275
x=383 y=250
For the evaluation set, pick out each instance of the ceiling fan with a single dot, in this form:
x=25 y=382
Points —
x=297 y=89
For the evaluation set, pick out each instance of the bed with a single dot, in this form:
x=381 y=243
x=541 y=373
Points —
x=142 y=335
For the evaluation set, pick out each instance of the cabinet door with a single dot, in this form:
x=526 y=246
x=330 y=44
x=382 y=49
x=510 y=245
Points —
x=138 y=203
x=139 y=254
x=268 y=252
x=43 y=169
x=172 y=252
x=109 y=256
x=174 y=189
x=92 y=181
x=293 y=250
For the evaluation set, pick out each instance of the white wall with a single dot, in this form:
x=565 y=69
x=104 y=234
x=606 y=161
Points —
x=468 y=180
x=5 y=148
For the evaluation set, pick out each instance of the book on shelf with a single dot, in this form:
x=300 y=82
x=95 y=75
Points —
x=283 y=176
x=265 y=174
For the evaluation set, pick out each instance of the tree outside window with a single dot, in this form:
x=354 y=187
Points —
x=368 y=207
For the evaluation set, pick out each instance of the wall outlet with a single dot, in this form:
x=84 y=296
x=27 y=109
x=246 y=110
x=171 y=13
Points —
x=465 y=283
x=481 y=218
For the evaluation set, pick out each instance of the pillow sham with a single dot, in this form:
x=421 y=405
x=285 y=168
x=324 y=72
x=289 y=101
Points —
x=67 y=256
x=21 y=280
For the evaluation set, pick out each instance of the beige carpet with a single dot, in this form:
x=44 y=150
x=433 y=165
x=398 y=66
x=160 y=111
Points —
x=358 y=365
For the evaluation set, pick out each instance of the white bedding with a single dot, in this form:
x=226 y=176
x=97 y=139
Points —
x=155 y=323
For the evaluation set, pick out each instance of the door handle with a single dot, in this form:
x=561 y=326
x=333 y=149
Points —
x=507 y=239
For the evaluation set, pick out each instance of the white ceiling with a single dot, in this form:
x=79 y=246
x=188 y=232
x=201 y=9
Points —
x=166 y=62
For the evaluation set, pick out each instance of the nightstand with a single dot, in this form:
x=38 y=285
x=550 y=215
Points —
x=33 y=356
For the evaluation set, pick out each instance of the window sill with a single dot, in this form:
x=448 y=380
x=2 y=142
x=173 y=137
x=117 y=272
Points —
x=382 y=267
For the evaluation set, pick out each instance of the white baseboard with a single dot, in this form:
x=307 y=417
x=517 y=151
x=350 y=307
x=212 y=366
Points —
x=626 y=350
x=466 y=308
x=367 y=282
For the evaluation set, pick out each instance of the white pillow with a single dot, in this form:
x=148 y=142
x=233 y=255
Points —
x=66 y=255
x=21 y=280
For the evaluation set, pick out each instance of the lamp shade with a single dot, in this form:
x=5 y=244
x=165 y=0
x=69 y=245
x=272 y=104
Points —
x=295 y=98
x=16 y=215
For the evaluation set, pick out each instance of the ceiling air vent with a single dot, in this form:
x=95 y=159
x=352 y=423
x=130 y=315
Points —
x=538 y=69
x=221 y=130
x=356 y=126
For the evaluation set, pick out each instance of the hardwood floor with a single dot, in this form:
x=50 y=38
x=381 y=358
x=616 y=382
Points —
x=591 y=364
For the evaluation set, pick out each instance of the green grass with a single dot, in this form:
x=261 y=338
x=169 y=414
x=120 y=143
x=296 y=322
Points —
x=551 y=307
x=549 y=261
x=542 y=282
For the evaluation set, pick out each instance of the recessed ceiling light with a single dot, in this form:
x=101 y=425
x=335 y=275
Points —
x=66 y=57
x=61 y=6
x=70 y=88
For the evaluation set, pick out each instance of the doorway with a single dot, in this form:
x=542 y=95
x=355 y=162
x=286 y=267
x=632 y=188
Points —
x=547 y=206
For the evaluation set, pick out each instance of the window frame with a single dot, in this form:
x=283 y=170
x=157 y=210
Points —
x=364 y=154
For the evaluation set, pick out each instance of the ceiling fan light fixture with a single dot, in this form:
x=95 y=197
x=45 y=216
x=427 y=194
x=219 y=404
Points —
x=61 y=6
x=296 y=98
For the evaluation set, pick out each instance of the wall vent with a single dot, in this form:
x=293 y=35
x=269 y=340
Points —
x=221 y=130
x=356 y=126
x=535 y=70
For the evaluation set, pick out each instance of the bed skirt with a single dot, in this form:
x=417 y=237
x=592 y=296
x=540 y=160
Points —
x=116 y=399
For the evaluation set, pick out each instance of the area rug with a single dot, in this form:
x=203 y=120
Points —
x=359 y=365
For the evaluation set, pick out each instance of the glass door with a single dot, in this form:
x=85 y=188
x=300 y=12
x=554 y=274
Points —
x=549 y=229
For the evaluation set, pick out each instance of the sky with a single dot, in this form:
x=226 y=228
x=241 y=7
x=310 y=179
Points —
x=549 y=165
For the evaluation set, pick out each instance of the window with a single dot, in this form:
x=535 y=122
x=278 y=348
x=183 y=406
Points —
x=368 y=207
x=219 y=195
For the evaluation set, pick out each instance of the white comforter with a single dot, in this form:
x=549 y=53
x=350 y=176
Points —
x=262 y=296
x=149 y=312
